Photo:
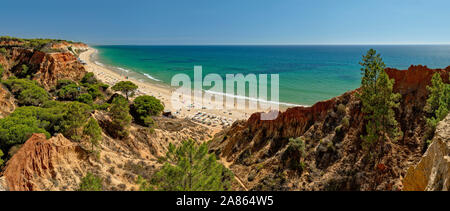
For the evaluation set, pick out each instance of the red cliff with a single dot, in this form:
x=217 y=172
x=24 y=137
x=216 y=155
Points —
x=334 y=156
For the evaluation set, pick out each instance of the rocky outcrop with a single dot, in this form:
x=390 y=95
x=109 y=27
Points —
x=432 y=173
x=7 y=102
x=60 y=164
x=331 y=131
x=41 y=164
x=46 y=68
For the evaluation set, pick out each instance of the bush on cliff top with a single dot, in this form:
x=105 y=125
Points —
x=27 y=92
x=144 y=107
x=53 y=117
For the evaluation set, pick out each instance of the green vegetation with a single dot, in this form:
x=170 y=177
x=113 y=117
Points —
x=85 y=98
x=76 y=116
x=93 y=133
x=121 y=118
x=89 y=78
x=294 y=153
x=1 y=71
x=190 y=167
x=3 y=51
x=24 y=72
x=91 y=183
x=1 y=155
x=128 y=88
x=378 y=101
x=51 y=118
x=438 y=104
x=69 y=91
x=27 y=92
x=144 y=107
x=16 y=129
x=39 y=44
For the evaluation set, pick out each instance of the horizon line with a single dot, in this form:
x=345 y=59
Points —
x=270 y=44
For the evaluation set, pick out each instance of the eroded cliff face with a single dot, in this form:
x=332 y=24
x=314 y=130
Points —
x=46 y=68
x=334 y=159
x=60 y=164
x=7 y=102
x=432 y=173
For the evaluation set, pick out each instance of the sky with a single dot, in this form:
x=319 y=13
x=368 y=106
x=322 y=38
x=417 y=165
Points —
x=203 y=22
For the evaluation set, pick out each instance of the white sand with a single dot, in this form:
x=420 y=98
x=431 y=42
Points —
x=218 y=118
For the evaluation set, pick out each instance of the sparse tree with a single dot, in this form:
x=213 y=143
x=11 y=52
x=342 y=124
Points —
x=438 y=103
x=128 y=88
x=378 y=101
x=93 y=132
x=121 y=119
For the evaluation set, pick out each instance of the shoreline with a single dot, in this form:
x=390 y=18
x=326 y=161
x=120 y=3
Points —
x=215 y=118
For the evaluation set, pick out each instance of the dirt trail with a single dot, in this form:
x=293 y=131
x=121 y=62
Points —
x=227 y=165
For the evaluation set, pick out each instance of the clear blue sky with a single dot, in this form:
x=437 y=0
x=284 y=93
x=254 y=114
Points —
x=230 y=21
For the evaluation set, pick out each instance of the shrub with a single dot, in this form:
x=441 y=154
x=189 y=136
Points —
x=85 y=98
x=341 y=109
x=294 y=153
x=94 y=91
x=103 y=106
x=345 y=122
x=64 y=82
x=144 y=107
x=34 y=97
x=1 y=155
x=3 y=51
x=27 y=91
x=190 y=167
x=16 y=129
x=93 y=132
x=76 y=116
x=91 y=183
x=121 y=118
x=89 y=78
x=69 y=92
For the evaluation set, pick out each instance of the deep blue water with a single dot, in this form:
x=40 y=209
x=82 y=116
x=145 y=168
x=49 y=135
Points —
x=308 y=74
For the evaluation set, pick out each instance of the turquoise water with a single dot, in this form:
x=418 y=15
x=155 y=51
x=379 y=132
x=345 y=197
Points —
x=308 y=74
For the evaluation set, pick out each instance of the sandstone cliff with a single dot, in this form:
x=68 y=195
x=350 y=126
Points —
x=334 y=158
x=433 y=171
x=59 y=164
x=46 y=68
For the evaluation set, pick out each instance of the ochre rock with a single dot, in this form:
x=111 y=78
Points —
x=433 y=171
x=48 y=68
x=39 y=161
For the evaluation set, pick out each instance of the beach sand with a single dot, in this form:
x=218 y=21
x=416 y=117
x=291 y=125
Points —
x=214 y=118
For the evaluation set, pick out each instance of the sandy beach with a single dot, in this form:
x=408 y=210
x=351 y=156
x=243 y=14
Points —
x=215 y=118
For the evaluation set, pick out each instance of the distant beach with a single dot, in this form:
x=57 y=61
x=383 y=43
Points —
x=216 y=119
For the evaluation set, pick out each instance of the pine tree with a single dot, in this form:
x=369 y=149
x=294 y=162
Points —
x=378 y=101
x=438 y=103
x=121 y=119
x=1 y=155
x=190 y=168
x=91 y=183
x=93 y=132
x=126 y=87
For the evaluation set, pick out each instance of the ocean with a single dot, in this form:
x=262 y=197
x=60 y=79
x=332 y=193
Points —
x=307 y=74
